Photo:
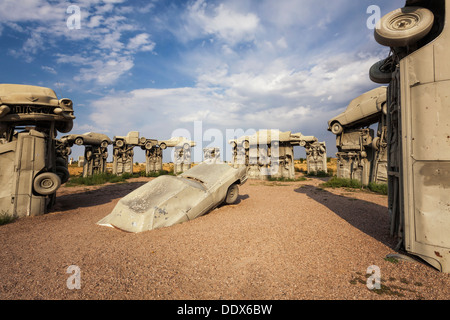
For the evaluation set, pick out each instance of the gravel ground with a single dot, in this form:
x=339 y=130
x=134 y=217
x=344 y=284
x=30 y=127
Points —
x=280 y=241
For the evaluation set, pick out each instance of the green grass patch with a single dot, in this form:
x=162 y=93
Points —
x=5 y=218
x=342 y=183
x=103 y=178
x=335 y=182
x=381 y=188
x=320 y=173
x=96 y=179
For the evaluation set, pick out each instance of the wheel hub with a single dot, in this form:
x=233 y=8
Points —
x=403 y=22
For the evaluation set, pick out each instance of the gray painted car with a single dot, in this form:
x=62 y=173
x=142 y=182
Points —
x=169 y=200
x=88 y=138
x=360 y=110
x=176 y=142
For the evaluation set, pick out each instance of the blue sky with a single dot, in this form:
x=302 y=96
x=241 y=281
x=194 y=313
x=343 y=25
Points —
x=161 y=66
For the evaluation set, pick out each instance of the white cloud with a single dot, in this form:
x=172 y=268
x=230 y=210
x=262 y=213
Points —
x=221 y=22
x=49 y=69
x=141 y=42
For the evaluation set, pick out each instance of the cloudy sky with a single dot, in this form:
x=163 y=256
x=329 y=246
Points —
x=202 y=68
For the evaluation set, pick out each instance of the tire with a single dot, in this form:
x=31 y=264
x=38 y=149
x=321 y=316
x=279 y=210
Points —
x=63 y=174
x=376 y=143
x=119 y=143
x=60 y=162
x=336 y=128
x=404 y=27
x=64 y=126
x=46 y=183
x=378 y=75
x=148 y=145
x=79 y=141
x=232 y=194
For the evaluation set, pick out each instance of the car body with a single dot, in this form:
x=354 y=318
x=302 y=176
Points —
x=88 y=138
x=28 y=184
x=32 y=105
x=176 y=142
x=362 y=109
x=266 y=137
x=169 y=200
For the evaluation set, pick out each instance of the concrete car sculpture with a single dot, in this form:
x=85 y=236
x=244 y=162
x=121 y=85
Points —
x=176 y=142
x=88 y=138
x=169 y=200
x=360 y=109
x=31 y=105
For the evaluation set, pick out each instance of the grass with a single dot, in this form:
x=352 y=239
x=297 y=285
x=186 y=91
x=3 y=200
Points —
x=320 y=173
x=5 y=218
x=283 y=179
x=103 y=178
x=335 y=182
x=381 y=188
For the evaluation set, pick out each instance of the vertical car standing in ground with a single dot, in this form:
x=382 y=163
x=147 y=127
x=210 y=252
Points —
x=30 y=171
x=418 y=126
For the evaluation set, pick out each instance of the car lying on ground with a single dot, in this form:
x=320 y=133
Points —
x=88 y=138
x=176 y=142
x=361 y=110
x=169 y=200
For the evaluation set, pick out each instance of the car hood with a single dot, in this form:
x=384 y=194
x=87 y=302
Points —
x=162 y=202
x=26 y=94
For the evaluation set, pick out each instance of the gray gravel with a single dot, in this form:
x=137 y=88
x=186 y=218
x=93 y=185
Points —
x=281 y=241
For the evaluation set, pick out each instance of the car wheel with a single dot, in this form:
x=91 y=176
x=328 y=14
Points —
x=336 y=128
x=378 y=75
x=148 y=145
x=119 y=143
x=404 y=27
x=60 y=162
x=232 y=194
x=376 y=143
x=63 y=174
x=64 y=126
x=46 y=183
x=79 y=141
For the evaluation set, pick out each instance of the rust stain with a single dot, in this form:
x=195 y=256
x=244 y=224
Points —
x=437 y=254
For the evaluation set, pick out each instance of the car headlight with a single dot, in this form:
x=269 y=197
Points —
x=4 y=109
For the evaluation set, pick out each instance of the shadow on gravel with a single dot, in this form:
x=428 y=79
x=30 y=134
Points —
x=91 y=198
x=370 y=218
x=105 y=194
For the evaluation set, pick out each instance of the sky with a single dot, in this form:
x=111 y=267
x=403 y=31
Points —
x=204 y=69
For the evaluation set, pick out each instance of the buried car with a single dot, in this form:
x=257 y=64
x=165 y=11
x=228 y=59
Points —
x=169 y=200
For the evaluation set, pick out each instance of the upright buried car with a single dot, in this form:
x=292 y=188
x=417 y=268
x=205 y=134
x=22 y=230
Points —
x=168 y=200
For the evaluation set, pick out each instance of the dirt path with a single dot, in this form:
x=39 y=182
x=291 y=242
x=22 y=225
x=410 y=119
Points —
x=281 y=240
